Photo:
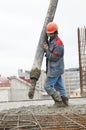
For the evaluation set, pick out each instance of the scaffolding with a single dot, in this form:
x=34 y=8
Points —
x=82 y=58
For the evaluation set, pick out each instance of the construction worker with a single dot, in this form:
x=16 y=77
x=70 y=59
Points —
x=54 y=49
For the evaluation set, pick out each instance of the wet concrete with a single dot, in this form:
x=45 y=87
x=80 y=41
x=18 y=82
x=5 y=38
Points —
x=46 y=106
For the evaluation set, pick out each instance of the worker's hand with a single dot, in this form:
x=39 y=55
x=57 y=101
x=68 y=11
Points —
x=45 y=46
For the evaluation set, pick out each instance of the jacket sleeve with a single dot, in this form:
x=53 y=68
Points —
x=56 y=53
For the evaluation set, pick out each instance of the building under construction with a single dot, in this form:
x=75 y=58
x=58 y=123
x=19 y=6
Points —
x=42 y=114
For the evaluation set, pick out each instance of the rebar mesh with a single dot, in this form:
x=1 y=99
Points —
x=29 y=121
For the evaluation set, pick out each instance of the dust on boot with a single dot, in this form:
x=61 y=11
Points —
x=65 y=100
x=57 y=99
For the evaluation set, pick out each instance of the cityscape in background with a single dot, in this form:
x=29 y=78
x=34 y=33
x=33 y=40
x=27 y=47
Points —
x=16 y=88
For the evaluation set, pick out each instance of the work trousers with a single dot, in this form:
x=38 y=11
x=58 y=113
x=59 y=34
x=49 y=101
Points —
x=53 y=84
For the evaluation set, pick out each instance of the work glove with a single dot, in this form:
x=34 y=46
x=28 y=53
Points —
x=45 y=46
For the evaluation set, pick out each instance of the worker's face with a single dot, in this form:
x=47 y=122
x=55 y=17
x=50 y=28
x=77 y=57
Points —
x=51 y=35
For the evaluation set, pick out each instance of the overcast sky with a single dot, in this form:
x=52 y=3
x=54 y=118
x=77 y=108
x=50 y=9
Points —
x=21 y=23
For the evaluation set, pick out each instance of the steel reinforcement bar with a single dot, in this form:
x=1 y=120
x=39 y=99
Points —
x=26 y=120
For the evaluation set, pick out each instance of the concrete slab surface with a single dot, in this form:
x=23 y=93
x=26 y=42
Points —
x=11 y=105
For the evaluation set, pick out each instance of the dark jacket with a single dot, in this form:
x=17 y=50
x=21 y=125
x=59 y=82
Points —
x=55 y=56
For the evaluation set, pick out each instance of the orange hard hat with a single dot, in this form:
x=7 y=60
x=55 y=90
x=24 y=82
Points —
x=51 y=27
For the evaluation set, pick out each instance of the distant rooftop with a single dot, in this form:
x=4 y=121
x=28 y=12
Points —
x=72 y=69
x=4 y=82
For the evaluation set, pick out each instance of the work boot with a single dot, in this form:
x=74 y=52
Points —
x=65 y=100
x=57 y=99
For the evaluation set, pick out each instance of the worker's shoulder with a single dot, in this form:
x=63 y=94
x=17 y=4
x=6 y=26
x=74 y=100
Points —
x=59 y=42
